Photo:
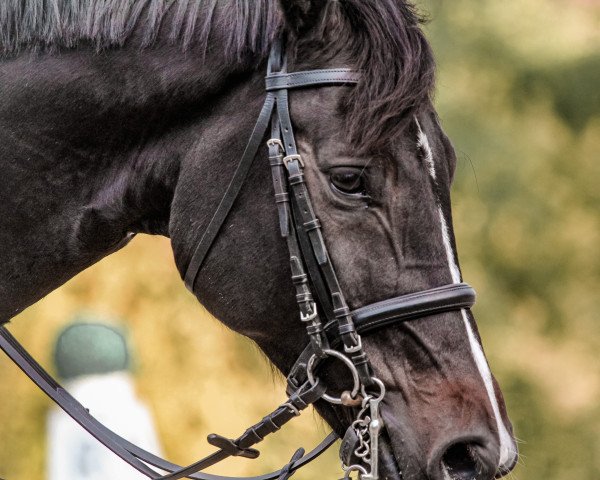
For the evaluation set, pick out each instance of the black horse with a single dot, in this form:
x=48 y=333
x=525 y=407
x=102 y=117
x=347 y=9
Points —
x=128 y=116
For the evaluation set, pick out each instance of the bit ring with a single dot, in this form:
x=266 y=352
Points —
x=379 y=397
x=340 y=356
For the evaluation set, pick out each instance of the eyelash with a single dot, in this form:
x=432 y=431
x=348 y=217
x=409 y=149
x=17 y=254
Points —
x=356 y=184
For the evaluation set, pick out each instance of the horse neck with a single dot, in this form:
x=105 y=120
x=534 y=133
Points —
x=90 y=149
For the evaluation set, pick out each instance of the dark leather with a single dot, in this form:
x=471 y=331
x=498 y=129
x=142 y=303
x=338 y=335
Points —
x=350 y=442
x=286 y=471
x=310 y=226
x=307 y=78
x=304 y=297
x=282 y=197
x=300 y=399
x=414 y=305
x=275 y=82
x=232 y=192
x=314 y=273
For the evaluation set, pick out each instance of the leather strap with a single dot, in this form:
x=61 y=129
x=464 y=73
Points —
x=311 y=227
x=447 y=298
x=378 y=315
x=231 y=193
x=309 y=313
x=274 y=82
x=271 y=423
x=139 y=458
x=314 y=273
x=307 y=78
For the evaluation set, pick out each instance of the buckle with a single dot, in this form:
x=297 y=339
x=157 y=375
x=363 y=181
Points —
x=310 y=316
x=291 y=158
x=355 y=348
x=275 y=142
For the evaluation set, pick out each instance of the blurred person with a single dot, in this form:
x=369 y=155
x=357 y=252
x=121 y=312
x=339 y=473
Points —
x=94 y=363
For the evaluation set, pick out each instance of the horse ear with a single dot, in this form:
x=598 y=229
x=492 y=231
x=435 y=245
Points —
x=302 y=15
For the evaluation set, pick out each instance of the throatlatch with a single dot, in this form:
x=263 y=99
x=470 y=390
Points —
x=311 y=270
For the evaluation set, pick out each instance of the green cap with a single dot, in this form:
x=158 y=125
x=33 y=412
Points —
x=89 y=348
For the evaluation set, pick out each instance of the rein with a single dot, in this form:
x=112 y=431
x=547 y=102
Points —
x=311 y=269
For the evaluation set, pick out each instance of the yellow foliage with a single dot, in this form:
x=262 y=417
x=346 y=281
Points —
x=197 y=376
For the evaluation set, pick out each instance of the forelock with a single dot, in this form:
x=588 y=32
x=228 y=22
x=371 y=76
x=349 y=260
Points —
x=383 y=40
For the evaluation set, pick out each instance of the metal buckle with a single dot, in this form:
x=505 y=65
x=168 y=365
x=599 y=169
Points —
x=291 y=158
x=275 y=142
x=356 y=348
x=292 y=408
x=310 y=316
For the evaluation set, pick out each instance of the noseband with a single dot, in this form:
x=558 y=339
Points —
x=334 y=331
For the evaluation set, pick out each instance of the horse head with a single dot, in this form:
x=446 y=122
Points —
x=145 y=138
x=378 y=168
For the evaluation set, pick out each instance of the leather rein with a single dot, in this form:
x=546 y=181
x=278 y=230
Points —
x=335 y=336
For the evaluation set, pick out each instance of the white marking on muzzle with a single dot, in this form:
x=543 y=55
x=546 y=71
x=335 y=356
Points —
x=507 y=448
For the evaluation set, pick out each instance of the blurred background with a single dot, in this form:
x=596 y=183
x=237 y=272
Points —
x=518 y=93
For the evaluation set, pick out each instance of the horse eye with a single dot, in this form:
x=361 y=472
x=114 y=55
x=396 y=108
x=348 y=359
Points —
x=348 y=180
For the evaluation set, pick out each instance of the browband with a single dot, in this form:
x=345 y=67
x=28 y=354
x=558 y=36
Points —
x=278 y=81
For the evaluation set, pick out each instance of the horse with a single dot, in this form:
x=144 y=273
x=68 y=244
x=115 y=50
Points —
x=128 y=117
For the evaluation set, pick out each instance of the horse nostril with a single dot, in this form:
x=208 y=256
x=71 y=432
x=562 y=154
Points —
x=461 y=462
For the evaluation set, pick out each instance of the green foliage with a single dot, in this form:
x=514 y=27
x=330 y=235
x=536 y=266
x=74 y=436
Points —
x=518 y=95
x=572 y=88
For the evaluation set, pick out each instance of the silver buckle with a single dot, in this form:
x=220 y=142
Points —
x=275 y=142
x=291 y=158
x=310 y=316
x=292 y=408
x=356 y=348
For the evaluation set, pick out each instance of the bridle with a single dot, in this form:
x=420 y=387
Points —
x=329 y=322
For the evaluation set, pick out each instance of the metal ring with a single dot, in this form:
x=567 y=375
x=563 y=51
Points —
x=347 y=362
x=381 y=392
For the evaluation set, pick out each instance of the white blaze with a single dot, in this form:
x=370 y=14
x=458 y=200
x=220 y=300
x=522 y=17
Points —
x=507 y=450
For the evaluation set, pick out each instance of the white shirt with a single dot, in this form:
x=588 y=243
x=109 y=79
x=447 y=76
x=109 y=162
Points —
x=73 y=454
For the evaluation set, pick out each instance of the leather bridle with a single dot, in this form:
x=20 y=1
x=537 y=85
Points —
x=311 y=270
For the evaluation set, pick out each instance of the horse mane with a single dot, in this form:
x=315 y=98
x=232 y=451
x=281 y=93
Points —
x=43 y=24
x=385 y=42
x=382 y=37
